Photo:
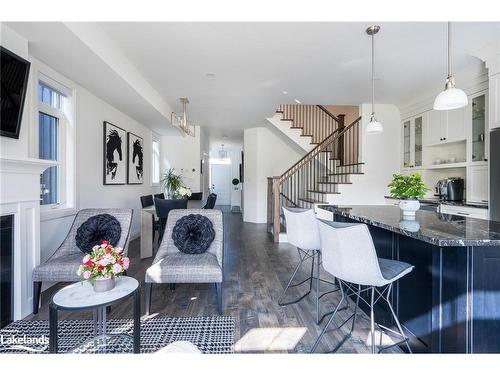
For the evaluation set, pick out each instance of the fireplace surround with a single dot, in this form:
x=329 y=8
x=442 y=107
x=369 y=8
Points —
x=20 y=199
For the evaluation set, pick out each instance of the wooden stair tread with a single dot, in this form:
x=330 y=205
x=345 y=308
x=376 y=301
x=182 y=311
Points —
x=313 y=201
x=323 y=192
x=334 y=183
x=344 y=173
x=349 y=165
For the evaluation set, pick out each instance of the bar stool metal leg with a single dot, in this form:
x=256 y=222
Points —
x=372 y=319
x=318 y=264
x=396 y=320
x=323 y=331
x=304 y=255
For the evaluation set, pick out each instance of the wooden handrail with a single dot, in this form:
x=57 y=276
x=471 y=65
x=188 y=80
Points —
x=325 y=143
x=327 y=112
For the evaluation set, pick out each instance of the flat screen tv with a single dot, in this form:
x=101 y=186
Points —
x=14 y=72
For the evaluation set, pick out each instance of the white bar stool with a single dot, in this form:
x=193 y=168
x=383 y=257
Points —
x=349 y=254
x=302 y=232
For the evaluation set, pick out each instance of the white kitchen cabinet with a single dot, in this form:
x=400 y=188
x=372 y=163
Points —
x=413 y=130
x=465 y=211
x=455 y=125
x=477 y=184
x=445 y=126
x=436 y=128
x=494 y=101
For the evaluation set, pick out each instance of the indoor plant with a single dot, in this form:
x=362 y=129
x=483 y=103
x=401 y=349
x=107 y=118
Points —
x=173 y=186
x=101 y=266
x=409 y=189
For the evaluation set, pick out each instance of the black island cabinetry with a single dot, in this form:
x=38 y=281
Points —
x=450 y=303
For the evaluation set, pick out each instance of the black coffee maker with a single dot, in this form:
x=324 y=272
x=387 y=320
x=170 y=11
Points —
x=451 y=189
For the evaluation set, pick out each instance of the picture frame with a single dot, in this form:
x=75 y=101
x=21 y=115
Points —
x=135 y=159
x=114 y=159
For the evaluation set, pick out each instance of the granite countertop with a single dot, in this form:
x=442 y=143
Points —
x=432 y=227
x=437 y=201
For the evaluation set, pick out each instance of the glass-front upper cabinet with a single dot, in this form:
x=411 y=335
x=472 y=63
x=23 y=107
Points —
x=406 y=144
x=413 y=135
x=417 y=144
x=479 y=128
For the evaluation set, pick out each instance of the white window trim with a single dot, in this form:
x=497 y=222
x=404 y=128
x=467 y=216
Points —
x=67 y=121
x=155 y=138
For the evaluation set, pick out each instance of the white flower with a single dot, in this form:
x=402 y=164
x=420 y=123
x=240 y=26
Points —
x=184 y=191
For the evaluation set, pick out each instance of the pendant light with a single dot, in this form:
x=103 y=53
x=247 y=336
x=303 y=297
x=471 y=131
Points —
x=373 y=127
x=451 y=97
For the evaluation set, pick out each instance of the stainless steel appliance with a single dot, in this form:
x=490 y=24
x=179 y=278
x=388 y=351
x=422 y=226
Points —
x=450 y=189
x=494 y=201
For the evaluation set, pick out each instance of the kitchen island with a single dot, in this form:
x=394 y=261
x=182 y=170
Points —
x=450 y=303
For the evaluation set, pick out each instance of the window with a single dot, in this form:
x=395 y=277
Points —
x=52 y=121
x=155 y=162
x=48 y=148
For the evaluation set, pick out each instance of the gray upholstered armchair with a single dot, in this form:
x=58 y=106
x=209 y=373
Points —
x=172 y=266
x=63 y=264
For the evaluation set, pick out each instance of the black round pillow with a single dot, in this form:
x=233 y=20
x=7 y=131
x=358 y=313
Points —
x=97 y=229
x=193 y=234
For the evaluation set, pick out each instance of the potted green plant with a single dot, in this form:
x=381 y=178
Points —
x=173 y=186
x=409 y=189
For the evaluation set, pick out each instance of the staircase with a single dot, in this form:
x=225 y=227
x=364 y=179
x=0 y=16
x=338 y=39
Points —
x=320 y=174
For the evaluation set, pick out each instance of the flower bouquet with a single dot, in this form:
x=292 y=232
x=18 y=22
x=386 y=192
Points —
x=101 y=266
x=184 y=191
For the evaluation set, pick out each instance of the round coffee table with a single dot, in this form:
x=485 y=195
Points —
x=81 y=296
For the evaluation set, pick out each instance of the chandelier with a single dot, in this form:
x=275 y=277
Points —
x=180 y=120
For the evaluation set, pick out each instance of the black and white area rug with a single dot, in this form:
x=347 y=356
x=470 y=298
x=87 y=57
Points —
x=212 y=335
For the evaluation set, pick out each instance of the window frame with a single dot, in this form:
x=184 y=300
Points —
x=67 y=137
x=155 y=139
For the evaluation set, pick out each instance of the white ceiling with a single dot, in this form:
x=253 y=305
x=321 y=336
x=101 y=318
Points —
x=327 y=63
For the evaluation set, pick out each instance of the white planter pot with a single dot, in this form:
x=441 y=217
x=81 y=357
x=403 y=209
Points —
x=102 y=284
x=409 y=206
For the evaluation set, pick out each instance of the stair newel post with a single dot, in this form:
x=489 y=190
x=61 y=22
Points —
x=276 y=208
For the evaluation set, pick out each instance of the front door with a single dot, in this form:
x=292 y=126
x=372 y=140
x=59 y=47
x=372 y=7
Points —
x=221 y=183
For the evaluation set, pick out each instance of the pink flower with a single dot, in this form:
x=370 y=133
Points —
x=86 y=275
x=117 y=268
x=126 y=262
x=86 y=258
x=104 y=262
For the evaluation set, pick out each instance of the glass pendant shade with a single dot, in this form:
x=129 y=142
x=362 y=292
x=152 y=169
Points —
x=374 y=127
x=450 y=98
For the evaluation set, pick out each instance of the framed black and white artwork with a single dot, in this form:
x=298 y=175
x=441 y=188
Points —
x=115 y=167
x=135 y=159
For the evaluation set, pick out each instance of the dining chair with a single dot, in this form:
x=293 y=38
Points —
x=147 y=201
x=163 y=207
x=196 y=197
x=210 y=204
x=160 y=196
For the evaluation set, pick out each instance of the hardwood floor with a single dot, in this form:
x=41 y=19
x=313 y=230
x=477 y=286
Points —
x=255 y=272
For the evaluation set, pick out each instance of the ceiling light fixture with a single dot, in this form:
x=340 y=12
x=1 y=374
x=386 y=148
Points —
x=222 y=152
x=285 y=92
x=297 y=101
x=181 y=121
x=450 y=97
x=373 y=127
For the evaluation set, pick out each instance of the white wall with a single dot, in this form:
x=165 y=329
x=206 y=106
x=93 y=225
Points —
x=183 y=154
x=91 y=111
x=381 y=155
x=266 y=155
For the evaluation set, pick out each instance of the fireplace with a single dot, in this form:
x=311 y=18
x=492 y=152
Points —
x=20 y=219
x=6 y=269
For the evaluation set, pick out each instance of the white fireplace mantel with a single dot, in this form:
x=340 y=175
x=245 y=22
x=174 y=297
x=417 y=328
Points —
x=20 y=196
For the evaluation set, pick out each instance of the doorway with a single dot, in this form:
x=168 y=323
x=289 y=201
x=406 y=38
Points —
x=221 y=183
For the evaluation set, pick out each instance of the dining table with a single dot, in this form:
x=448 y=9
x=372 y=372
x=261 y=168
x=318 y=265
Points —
x=148 y=215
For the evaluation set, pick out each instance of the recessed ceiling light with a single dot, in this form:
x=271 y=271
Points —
x=285 y=92
x=210 y=75
x=297 y=101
